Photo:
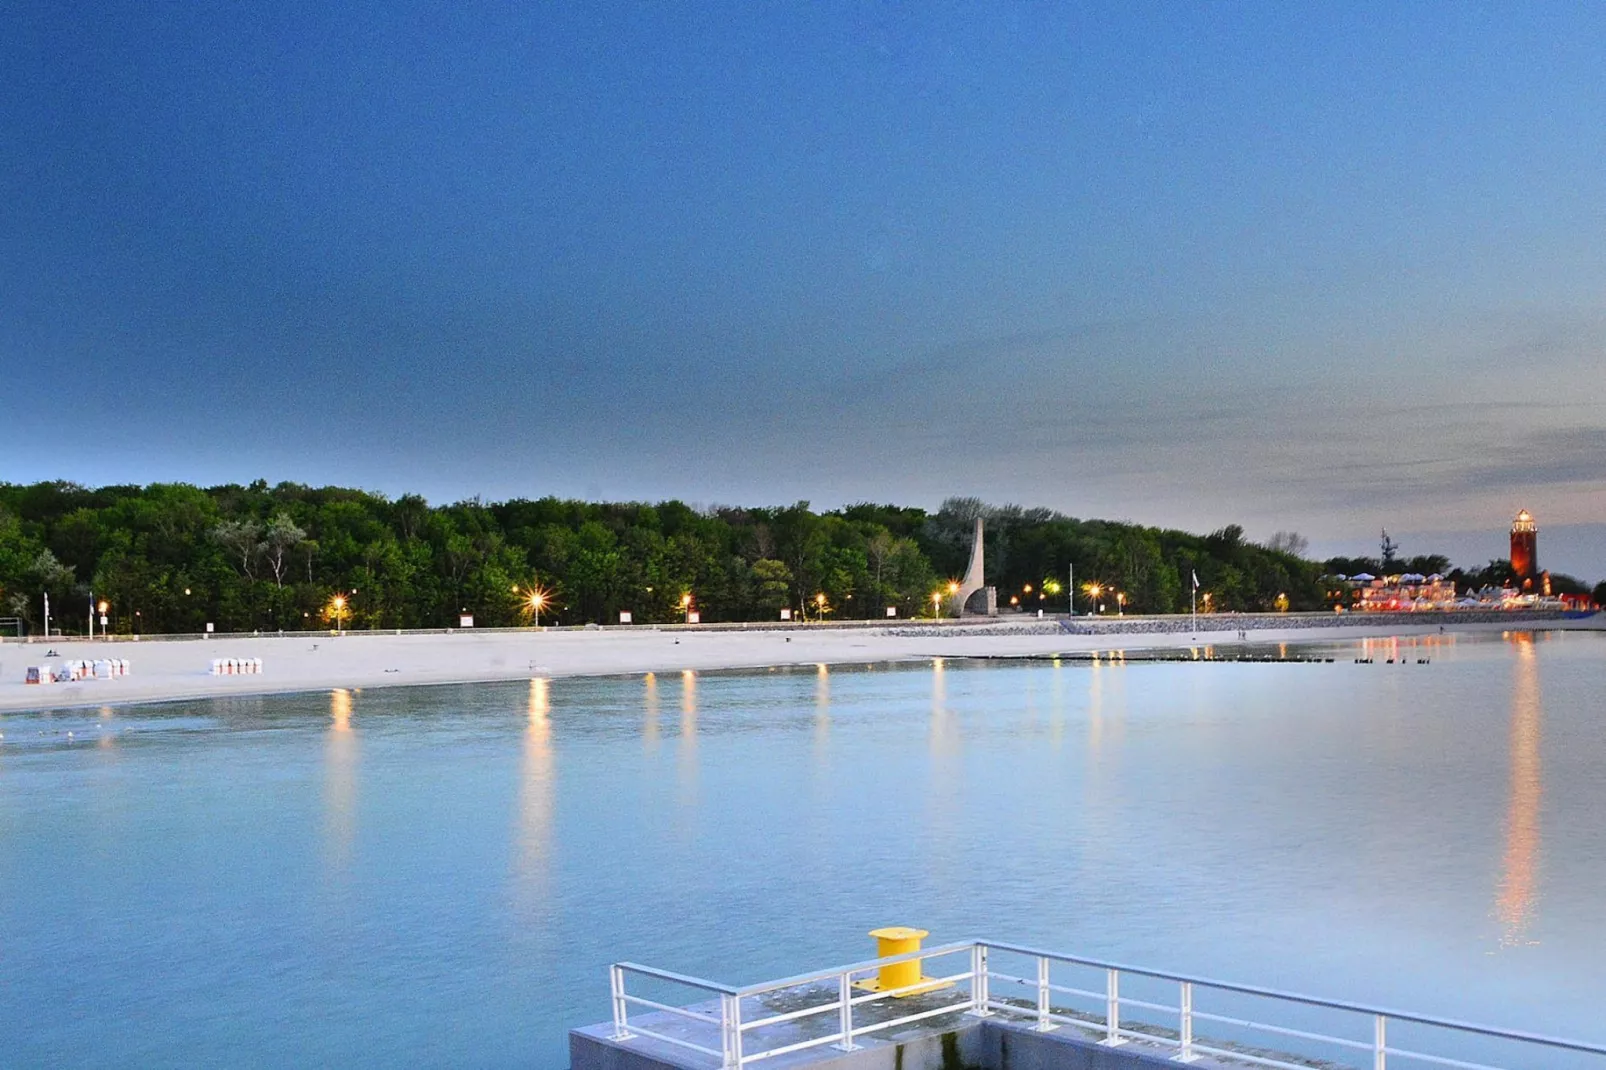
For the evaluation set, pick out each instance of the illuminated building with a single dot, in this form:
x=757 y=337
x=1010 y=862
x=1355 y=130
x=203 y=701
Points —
x=1408 y=592
x=1525 y=549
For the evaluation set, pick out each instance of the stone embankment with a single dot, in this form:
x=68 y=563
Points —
x=1232 y=622
x=1251 y=622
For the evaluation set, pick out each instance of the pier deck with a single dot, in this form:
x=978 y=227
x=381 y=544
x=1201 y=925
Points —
x=955 y=1041
x=994 y=1006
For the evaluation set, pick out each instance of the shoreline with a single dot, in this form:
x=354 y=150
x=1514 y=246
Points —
x=169 y=670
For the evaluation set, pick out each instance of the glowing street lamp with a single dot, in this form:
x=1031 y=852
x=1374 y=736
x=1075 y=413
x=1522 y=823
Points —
x=535 y=599
x=338 y=605
x=1093 y=591
x=936 y=603
x=685 y=605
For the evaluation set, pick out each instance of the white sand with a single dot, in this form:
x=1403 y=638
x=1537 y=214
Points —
x=175 y=669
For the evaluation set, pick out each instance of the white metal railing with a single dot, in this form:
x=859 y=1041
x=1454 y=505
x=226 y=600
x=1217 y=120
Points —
x=735 y=1028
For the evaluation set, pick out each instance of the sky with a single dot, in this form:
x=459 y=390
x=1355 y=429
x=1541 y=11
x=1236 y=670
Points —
x=1318 y=267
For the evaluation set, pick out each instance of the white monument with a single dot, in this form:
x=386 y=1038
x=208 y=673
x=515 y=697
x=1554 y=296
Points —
x=985 y=602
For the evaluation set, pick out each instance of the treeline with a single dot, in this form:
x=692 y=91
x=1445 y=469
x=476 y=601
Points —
x=174 y=558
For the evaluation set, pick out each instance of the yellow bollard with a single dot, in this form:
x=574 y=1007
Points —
x=898 y=940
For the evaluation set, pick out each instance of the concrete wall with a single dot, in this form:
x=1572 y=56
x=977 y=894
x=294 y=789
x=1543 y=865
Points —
x=1018 y=1047
x=981 y=1044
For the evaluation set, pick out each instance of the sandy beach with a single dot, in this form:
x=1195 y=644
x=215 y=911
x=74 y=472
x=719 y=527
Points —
x=165 y=669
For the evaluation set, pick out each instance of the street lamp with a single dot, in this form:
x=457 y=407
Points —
x=535 y=599
x=936 y=604
x=1093 y=591
x=819 y=606
x=685 y=605
x=339 y=605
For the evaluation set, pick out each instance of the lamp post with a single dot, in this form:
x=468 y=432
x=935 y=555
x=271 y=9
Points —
x=536 y=599
x=685 y=606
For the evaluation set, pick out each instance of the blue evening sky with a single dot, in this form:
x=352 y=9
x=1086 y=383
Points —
x=1308 y=266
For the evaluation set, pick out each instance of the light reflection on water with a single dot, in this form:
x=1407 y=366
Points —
x=536 y=790
x=437 y=876
x=686 y=745
x=340 y=781
x=649 y=707
x=822 y=710
x=1518 y=891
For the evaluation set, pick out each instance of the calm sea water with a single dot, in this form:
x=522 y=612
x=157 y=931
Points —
x=439 y=876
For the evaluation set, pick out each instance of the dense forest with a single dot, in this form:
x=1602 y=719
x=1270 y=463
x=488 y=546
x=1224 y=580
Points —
x=174 y=558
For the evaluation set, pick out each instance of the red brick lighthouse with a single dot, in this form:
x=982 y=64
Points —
x=1525 y=549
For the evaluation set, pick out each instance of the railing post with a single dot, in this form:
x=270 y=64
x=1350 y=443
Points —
x=1380 y=1044
x=1185 y=1025
x=1043 y=1023
x=845 y=1012
x=979 y=996
x=730 y=1031
x=621 y=1010
x=1112 y=1009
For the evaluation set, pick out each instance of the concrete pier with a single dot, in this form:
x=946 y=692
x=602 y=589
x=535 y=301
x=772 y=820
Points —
x=956 y=1042
x=988 y=1005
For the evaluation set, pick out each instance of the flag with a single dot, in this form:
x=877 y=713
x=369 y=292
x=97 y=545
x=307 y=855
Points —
x=1195 y=579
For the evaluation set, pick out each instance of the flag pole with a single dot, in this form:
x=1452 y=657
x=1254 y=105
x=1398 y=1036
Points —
x=1194 y=594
